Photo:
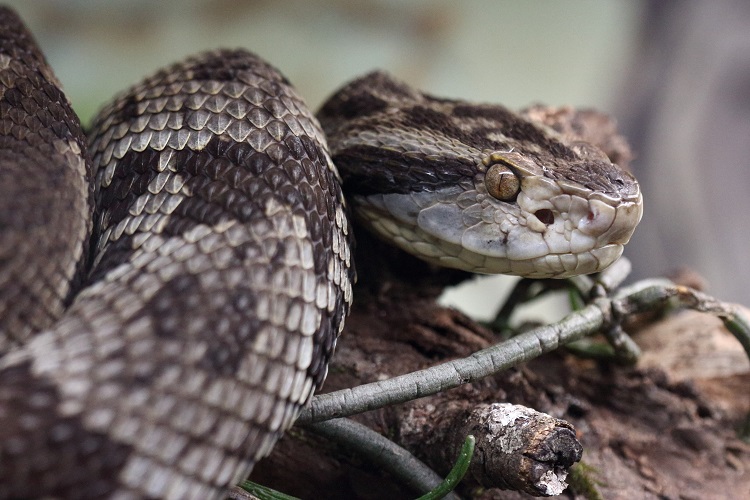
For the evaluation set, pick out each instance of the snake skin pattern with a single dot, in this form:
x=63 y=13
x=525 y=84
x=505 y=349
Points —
x=221 y=277
x=44 y=238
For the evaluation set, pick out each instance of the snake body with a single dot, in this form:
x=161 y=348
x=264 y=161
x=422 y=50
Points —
x=221 y=276
x=44 y=238
x=166 y=356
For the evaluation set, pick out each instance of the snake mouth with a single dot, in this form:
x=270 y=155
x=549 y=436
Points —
x=585 y=239
x=550 y=266
x=415 y=240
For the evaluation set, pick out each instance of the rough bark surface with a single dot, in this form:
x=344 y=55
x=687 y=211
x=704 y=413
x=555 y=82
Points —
x=663 y=429
x=647 y=432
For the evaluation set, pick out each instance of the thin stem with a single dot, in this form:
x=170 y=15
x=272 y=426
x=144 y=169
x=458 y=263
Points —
x=448 y=375
x=456 y=474
x=640 y=297
x=259 y=491
x=382 y=452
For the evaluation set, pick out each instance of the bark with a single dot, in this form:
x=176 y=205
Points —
x=517 y=448
x=644 y=433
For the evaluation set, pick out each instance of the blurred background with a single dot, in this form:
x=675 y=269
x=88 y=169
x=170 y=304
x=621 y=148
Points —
x=675 y=73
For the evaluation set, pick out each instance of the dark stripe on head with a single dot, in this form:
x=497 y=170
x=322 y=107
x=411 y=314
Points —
x=364 y=104
x=520 y=132
x=370 y=170
x=609 y=179
x=365 y=96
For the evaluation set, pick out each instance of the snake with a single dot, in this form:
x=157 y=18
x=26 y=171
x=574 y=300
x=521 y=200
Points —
x=173 y=282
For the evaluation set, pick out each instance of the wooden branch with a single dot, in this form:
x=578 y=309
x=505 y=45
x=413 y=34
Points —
x=518 y=448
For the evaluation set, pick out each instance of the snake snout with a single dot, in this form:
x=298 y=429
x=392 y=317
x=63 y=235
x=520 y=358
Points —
x=628 y=216
x=612 y=224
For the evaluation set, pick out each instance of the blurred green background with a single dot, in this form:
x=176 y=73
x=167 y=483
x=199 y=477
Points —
x=516 y=52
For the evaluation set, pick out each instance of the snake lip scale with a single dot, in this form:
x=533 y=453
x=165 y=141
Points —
x=173 y=286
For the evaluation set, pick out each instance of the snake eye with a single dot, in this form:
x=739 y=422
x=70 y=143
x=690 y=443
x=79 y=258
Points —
x=502 y=183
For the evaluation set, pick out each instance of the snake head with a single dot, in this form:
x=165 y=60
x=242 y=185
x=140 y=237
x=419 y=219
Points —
x=476 y=186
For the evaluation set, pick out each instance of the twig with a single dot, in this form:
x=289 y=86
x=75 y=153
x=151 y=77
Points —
x=457 y=372
x=524 y=290
x=382 y=452
x=637 y=298
x=518 y=448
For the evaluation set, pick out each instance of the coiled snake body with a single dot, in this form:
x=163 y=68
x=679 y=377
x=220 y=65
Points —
x=164 y=358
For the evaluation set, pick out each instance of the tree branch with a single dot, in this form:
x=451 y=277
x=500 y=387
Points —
x=518 y=448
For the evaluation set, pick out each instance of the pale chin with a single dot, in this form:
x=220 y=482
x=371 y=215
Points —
x=594 y=261
x=567 y=265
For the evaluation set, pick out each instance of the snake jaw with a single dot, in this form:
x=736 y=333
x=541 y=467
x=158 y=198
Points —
x=554 y=229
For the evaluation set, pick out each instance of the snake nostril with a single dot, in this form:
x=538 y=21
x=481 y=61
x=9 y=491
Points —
x=545 y=215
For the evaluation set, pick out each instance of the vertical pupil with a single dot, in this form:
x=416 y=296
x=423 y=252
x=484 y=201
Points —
x=502 y=183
